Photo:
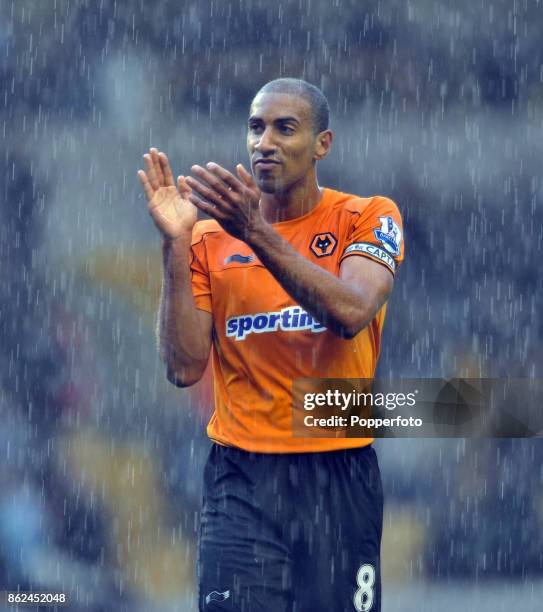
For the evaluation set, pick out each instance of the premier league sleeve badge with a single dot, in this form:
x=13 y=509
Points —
x=389 y=235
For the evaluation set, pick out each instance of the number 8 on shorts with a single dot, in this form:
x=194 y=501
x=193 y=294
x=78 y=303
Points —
x=365 y=579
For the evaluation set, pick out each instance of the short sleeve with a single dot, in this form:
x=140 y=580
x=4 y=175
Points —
x=376 y=232
x=201 y=288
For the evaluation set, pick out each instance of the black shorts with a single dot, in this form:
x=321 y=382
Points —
x=291 y=532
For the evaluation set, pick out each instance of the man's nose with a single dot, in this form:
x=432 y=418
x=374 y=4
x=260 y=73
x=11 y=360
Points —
x=265 y=143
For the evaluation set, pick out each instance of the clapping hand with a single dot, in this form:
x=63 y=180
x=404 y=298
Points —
x=232 y=201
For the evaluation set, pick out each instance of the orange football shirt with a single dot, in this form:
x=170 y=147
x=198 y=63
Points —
x=263 y=340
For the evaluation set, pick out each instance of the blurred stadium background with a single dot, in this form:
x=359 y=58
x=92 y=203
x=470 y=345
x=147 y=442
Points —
x=438 y=105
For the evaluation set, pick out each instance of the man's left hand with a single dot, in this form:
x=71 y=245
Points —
x=233 y=202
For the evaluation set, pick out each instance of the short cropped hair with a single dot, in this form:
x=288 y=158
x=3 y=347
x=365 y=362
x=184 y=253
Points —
x=320 y=110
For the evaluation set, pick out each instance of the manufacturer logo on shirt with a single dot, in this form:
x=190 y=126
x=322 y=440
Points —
x=323 y=244
x=389 y=235
x=236 y=257
x=289 y=319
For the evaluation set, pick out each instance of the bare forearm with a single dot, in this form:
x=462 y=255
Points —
x=328 y=298
x=183 y=344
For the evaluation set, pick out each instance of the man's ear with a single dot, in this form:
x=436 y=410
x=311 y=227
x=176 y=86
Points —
x=324 y=143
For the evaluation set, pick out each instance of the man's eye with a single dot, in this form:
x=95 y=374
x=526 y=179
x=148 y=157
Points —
x=286 y=129
x=254 y=127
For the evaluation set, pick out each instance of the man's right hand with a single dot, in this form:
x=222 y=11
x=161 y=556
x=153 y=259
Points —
x=169 y=206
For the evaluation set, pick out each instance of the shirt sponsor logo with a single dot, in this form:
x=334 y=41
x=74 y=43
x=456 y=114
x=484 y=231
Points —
x=389 y=235
x=373 y=250
x=239 y=258
x=289 y=319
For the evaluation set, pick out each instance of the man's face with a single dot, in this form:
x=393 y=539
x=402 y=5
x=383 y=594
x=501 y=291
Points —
x=280 y=140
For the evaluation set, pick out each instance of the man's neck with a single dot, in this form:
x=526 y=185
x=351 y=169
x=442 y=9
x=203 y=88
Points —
x=291 y=204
